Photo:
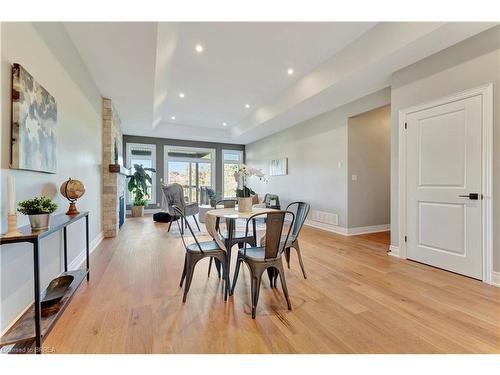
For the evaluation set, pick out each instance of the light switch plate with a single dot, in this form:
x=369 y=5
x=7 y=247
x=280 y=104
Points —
x=354 y=177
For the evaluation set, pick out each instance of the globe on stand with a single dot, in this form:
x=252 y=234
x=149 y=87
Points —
x=72 y=190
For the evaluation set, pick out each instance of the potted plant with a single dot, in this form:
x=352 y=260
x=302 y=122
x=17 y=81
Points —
x=38 y=210
x=137 y=185
x=212 y=196
x=243 y=192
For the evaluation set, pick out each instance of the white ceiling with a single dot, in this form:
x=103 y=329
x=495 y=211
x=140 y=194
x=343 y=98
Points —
x=143 y=67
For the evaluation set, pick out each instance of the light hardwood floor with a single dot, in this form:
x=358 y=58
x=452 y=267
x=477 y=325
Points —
x=357 y=299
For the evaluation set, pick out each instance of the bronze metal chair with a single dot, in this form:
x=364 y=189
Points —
x=197 y=251
x=268 y=257
x=239 y=238
x=301 y=212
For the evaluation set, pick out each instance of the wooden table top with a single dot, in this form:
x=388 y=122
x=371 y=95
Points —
x=233 y=213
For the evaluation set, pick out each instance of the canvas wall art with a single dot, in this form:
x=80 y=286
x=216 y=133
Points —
x=279 y=167
x=34 y=124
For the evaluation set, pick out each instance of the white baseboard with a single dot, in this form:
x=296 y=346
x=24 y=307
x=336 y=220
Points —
x=80 y=258
x=394 y=251
x=348 y=231
x=495 y=279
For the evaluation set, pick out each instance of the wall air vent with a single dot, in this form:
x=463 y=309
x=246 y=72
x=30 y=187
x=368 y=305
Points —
x=324 y=217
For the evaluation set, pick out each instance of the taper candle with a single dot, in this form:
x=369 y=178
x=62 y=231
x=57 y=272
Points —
x=11 y=197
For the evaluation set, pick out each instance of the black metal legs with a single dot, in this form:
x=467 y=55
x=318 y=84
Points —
x=65 y=249
x=87 y=247
x=196 y=221
x=38 y=311
x=190 y=261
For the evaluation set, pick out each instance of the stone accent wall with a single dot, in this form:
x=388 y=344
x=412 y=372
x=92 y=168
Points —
x=113 y=183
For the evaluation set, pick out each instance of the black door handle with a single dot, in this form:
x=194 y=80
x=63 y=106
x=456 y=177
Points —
x=471 y=196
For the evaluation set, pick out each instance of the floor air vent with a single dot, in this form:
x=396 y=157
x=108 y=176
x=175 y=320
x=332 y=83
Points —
x=324 y=217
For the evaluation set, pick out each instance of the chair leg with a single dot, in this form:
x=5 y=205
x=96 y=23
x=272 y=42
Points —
x=287 y=257
x=236 y=273
x=169 y=226
x=191 y=263
x=183 y=271
x=297 y=249
x=271 y=274
x=256 y=278
x=227 y=285
x=210 y=265
x=283 y=285
x=196 y=221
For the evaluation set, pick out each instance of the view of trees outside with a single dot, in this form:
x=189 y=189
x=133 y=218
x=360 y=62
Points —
x=230 y=183
x=179 y=172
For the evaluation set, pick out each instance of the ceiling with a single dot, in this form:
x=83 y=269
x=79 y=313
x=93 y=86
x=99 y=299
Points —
x=144 y=68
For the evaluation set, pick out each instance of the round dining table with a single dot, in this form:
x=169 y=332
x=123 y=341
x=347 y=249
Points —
x=230 y=215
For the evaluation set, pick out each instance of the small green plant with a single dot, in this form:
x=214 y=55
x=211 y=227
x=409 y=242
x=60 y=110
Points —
x=37 y=206
x=138 y=184
x=212 y=197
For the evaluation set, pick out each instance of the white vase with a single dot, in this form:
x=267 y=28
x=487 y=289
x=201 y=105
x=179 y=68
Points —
x=245 y=204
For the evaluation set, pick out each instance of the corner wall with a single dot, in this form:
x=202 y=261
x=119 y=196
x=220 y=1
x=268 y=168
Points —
x=317 y=158
x=79 y=156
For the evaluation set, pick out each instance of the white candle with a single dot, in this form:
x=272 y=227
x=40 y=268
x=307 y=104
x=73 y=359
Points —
x=10 y=191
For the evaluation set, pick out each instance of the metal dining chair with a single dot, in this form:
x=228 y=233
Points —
x=301 y=212
x=197 y=251
x=267 y=257
x=239 y=238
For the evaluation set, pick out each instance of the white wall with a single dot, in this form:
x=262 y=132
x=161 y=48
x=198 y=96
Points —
x=313 y=148
x=369 y=149
x=79 y=155
x=471 y=63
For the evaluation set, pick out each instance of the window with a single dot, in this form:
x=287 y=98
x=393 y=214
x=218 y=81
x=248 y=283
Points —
x=145 y=155
x=191 y=167
x=231 y=160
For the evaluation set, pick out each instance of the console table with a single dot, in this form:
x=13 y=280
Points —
x=22 y=331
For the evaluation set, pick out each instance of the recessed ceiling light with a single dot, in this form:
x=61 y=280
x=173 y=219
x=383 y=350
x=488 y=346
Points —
x=224 y=124
x=181 y=95
x=290 y=72
x=199 y=48
x=173 y=117
x=247 y=105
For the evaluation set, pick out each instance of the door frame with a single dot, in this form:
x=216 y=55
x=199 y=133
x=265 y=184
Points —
x=486 y=93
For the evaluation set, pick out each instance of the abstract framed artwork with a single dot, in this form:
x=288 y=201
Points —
x=278 y=167
x=34 y=124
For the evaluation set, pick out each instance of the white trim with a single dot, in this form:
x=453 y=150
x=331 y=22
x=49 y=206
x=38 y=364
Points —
x=486 y=91
x=394 y=251
x=495 y=279
x=75 y=264
x=80 y=258
x=348 y=231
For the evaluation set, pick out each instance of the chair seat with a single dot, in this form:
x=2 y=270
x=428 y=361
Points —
x=256 y=254
x=206 y=246
x=237 y=235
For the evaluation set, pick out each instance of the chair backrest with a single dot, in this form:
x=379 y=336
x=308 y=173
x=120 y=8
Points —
x=271 y=197
x=301 y=212
x=228 y=203
x=174 y=194
x=274 y=232
x=178 y=212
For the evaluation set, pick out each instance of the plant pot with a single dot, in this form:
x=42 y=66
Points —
x=41 y=221
x=213 y=203
x=245 y=204
x=137 y=211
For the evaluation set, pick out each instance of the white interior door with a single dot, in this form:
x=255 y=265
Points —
x=444 y=222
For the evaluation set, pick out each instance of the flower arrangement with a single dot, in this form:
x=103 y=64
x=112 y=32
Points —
x=241 y=176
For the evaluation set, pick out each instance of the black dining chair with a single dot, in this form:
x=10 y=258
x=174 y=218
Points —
x=197 y=251
x=267 y=257
x=239 y=237
x=301 y=211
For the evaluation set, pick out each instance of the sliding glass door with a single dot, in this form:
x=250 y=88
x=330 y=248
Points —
x=190 y=167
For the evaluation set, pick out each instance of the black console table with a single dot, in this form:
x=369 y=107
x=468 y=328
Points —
x=22 y=331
